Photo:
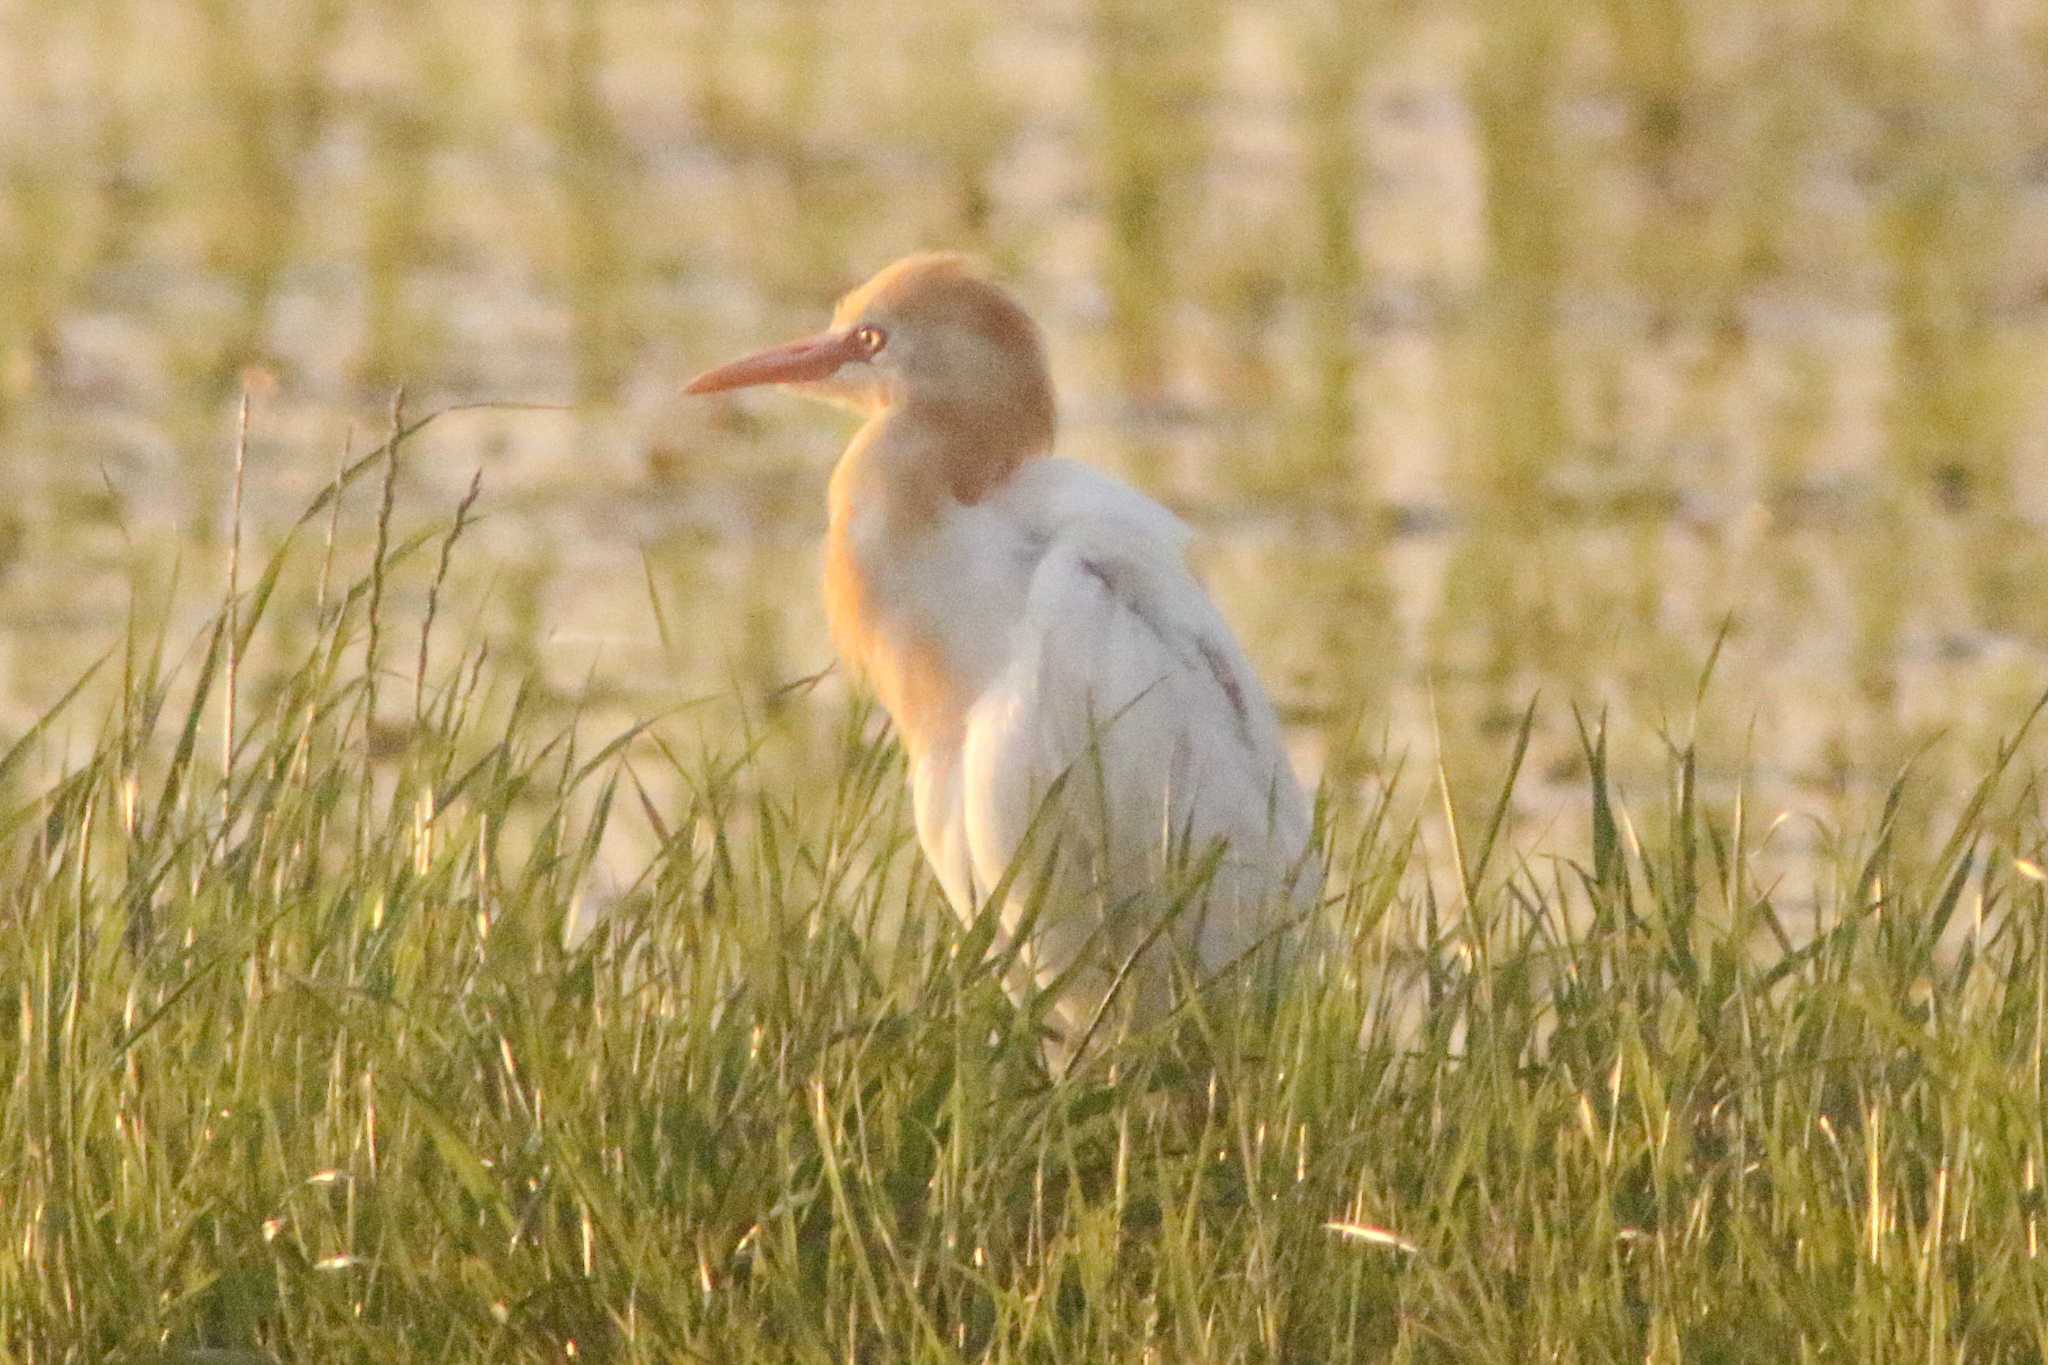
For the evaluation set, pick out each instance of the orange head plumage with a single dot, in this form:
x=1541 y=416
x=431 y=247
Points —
x=932 y=338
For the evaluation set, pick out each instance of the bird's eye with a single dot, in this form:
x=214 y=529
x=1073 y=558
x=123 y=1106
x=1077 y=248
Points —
x=870 y=339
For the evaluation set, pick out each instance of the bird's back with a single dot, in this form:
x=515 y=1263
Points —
x=1125 y=749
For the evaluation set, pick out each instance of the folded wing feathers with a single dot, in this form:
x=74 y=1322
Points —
x=1126 y=639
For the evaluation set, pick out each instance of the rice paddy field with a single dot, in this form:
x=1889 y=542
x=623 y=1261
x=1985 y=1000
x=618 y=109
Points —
x=450 y=908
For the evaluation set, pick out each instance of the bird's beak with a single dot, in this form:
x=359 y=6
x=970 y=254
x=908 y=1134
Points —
x=794 y=362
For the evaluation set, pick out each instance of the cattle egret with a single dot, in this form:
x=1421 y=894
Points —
x=1035 y=633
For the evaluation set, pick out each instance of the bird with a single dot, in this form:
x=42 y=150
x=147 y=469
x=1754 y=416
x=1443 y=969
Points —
x=1083 y=732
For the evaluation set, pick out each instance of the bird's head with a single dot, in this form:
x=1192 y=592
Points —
x=928 y=334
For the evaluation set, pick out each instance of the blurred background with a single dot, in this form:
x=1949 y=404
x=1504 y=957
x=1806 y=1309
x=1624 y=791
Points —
x=1495 y=349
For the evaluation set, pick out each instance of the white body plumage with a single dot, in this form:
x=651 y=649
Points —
x=1102 y=668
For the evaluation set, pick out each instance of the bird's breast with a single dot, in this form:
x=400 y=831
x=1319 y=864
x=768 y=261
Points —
x=927 y=610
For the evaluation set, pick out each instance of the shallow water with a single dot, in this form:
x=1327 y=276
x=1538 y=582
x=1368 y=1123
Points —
x=1496 y=352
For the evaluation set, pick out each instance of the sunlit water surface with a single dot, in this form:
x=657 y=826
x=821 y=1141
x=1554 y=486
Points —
x=1495 y=352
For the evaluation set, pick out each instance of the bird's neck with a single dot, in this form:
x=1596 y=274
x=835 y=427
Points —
x=903 y=555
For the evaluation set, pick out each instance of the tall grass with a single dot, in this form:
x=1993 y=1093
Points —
x=304 y=1062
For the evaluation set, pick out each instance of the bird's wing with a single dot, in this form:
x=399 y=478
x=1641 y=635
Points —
x=1127 y=687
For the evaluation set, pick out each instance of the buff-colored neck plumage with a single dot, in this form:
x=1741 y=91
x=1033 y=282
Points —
x=959 y=400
